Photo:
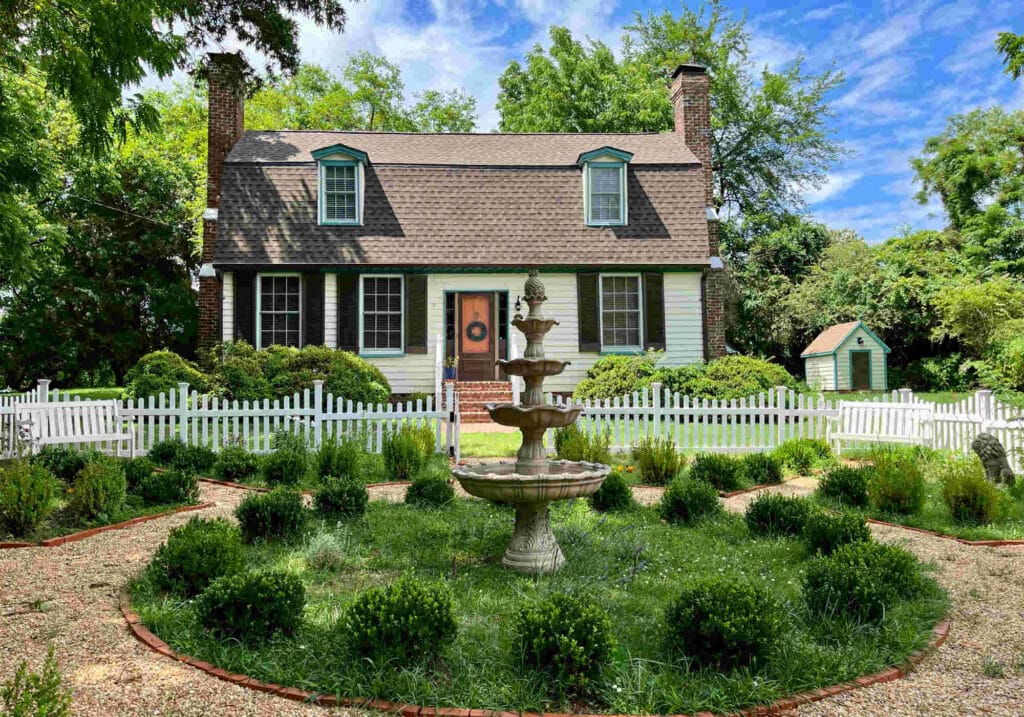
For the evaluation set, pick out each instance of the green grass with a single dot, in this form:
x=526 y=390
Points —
x=489 y=445
x=97 y=394
x=63 y=522
x=631 y=564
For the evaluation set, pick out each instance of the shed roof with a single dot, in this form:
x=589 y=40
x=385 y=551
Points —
x=829 y=340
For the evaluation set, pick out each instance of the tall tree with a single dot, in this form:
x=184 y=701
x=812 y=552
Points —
x=1012 y=48
x=771 y=129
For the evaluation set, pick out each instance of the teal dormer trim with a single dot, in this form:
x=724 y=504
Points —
x=604 y=152
x=355 y=154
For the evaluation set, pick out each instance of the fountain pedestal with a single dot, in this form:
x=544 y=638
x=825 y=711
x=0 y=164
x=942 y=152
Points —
x=533 y=482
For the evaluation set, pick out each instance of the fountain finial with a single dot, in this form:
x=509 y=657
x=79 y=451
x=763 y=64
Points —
x=534 y=290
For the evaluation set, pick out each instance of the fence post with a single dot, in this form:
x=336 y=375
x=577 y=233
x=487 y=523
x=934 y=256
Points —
x=182 y=399
x=449 y=404
x=656 y=407
x=780 y=414
x=986 y=410
x=906 y=395
x=43 y=390
x=318 y=411
x=438 y=368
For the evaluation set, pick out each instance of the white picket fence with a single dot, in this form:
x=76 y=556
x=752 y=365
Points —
x=200 y=419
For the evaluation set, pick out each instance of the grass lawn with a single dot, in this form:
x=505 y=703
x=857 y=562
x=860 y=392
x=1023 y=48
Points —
x=96 y=394
x=631 y=564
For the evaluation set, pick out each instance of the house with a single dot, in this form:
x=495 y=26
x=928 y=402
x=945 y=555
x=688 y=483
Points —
x=408 y=248
x=847 y=357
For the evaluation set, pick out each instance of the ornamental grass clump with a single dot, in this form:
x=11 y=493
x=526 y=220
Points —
x=687 y=500
x=896 y=485
x=276 y=515
x=573 y=444
x=657 y=461
x=760 y=469
x=772 y=514
x=403 y=453
x=862 y=579
x=825 y=530
x=27 y=495
x=846 y=485
x=720 y=622
x=197 y=553
x=565 y=637
x=614 y=494
x=803 y=455
x=325 y=551
x=971 y=497
x=408 y=620
x=236 y=465
x=252 y=606
x=342 y=497
x=720 y=470
x=99 y=490
x=171 y=486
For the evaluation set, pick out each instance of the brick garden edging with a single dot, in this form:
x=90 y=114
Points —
x=261 y=489
x=75 y=537
x=939 y=634
x=962 y=541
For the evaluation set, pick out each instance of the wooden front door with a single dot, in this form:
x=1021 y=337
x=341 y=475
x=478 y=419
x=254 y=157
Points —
x=476 y=337
x=860 y=370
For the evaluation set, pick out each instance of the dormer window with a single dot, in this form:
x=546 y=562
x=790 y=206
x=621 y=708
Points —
x=604 y=186
x=341 y=179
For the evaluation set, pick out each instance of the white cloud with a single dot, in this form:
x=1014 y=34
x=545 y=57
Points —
x=823 y=13
x=974 y=54
x=878 y=221
x=895 y=32
x=950 y=18
x=873 y=80
x=835 y=185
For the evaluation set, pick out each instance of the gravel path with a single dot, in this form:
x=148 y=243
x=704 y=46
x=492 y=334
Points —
x=68 y=596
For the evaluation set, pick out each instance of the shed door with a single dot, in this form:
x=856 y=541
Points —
x=860 y=364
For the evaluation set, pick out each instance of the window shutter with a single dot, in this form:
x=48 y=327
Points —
x=588 y=307
x=245 y=307
x=416 y=314
x=654 y=311
x=313 y=310
x=348 y=312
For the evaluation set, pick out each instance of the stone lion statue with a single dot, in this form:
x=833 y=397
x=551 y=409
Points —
x=993 y=457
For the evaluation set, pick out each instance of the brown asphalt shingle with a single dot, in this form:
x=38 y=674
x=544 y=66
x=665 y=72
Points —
x=829 y=339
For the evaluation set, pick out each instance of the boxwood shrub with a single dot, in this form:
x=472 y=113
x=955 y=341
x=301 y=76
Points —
x=408 y=620
x=774 y=515
x=687 y=500
x=252 y=606
x=164 y=452
x=723 y=623
x=160 y=372
x=802 y=455
x=197 y=553
x=64 y=463
x=430 y=489
x=657 y=460
x=566 y=637
x=846 y=485
x=289 y=462
x=278 y=514
x=720 y=470
x=171 y=486
x=236 y=465
x=824 y=530
x=136 y=470
x=27 y=493
x=99 y=490
x=342 y=497
x=760 y=469
x=614 y=494
x=403 y=454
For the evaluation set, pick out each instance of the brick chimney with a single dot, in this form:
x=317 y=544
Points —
x=225 y=116
x=691 y=104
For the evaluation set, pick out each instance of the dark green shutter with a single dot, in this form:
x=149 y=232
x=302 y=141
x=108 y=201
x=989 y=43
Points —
x=245 y=307
x=416 y=314
x=348 y=312
x=314 y=309
x=654 y=311
x=588 y=307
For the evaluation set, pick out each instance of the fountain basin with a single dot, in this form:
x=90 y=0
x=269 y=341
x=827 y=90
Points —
x=533 y=416
x=532 y=367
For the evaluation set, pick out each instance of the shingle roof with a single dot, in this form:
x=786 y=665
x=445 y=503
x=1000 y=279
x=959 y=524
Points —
x=504 y=150
x=829 y=340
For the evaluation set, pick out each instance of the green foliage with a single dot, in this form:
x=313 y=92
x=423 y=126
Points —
x=846 y=485
x=972 y=311
x=167 y=487
x=761 y=469
x=99 y=491
x=252 y=606
x=193 y=459
x=617 y=375
x=718 y=469
x=687 y=500
x=430 y=489
x=165 y=452
x=403 y=453
x=63 y=462
x=1002 y=365
x=197 y=553
x=896 y=485
x=27 y=492
x=614 y=494
x=862 y=579
x=341 y=497
x=408 y=620
x=971 y=497
x=657 y=460
x=345 y=457
x=566 y=637
x=235 y=464
x=325 y=551
x=160 y=372
x=288 y=463
x=279 y=514
x=726 y=378
x=137 y=470
x=802 y=455
x=1012 y=48
x=824 y=531
x=775 y=514
x=934 y=373
x=723 y=623
x=30 y=694
x=574 y=444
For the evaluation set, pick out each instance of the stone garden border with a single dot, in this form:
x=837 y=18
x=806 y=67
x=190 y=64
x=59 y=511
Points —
x=939 y=634
x=82 y=535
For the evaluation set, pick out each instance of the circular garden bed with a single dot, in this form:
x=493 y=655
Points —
x=410 y=604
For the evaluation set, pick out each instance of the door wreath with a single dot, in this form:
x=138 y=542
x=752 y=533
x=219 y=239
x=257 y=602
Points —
x=476 y=331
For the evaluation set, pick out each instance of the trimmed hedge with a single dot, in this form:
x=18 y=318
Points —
x=344 y=497
x=614 y=494
x=27 y=495
x=773 y=514
x=252 y=606
x=278 y=514
x=824 y=531
x=197 y=553
x=687 y=500
x=720 y=470
x=99 y=490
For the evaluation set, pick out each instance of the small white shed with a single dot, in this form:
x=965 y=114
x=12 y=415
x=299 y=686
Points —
x=847 y=357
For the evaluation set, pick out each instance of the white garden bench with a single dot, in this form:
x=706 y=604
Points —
x=863 y=421
x=75 y=422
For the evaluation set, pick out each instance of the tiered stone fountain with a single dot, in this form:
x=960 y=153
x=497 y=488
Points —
x=532 y=482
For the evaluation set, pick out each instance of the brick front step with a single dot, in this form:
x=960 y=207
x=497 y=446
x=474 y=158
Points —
x=473 y=395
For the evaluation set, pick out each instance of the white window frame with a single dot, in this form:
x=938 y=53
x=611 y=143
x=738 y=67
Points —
x=363 y=350
x=259 y=305
x=640 y=312
x=359 y=175
x=623 y=194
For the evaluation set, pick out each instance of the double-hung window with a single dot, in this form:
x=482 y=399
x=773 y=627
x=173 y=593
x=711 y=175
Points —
x=382 y=326
x=606 y=203
x=339 y=200
x=279 y=311
x=621 y=313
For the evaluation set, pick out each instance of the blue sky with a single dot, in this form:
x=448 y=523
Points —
x=908 y=64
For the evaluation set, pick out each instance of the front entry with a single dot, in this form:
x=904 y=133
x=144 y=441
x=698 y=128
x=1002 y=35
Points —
x=860 y=369
x=477 y=340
